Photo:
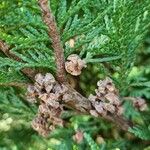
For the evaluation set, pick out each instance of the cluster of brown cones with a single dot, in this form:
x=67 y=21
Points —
x=47 y=92
x=50 y=96
x=106 y=99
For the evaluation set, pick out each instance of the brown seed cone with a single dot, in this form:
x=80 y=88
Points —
x=74 y=65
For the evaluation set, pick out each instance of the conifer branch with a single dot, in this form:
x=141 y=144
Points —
x=77 y=101
x=83 y=105
x=49 y=20
x=27 y=71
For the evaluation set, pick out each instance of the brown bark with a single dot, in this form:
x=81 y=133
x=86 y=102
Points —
x=49 y=20
x=5 y=49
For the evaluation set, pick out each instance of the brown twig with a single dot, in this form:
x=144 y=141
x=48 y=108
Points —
x=14 y=84
x=5 y=49
x=49 y=20
x=83 y=105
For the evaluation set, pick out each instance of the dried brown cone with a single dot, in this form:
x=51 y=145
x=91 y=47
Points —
x=106 y=99
x=39 y=124
x=74 y=65
x=140 y=104
x=48 y=93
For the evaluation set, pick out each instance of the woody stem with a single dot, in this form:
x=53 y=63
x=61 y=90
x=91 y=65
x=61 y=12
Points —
x=49 y=20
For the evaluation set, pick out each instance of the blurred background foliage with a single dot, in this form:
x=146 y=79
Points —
x=16 y=113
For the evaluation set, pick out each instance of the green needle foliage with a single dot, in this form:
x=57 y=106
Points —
x=112 y=36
